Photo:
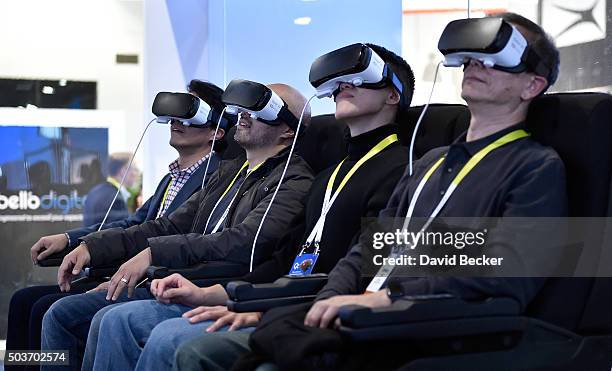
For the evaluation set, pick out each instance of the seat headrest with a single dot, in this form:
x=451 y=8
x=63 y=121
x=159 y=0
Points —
x=441 y=125
x=579 y=128
x=324 y=143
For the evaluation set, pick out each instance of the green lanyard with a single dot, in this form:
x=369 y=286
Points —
x=385 y=271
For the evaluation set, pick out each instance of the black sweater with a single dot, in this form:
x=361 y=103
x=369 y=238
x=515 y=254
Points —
x=364 y=195
x=520 y=179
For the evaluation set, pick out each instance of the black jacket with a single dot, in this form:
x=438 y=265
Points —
x=365 y=194
x=149 y=209
x=177 y=241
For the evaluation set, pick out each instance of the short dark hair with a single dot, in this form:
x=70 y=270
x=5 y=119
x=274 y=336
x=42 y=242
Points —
x=539 y=41
x=116 y=161
x=403 y=71
x=208 y=92
x=211 y=93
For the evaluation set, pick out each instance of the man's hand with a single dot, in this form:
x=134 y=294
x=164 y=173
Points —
x=203 y=313
x=129 y=274
x=48 y=245
x=101 y=287
x=72 y=265
x=323 y=312
x=177 y=289
x=236 y=321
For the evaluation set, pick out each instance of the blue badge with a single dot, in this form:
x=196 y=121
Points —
x=303 y=264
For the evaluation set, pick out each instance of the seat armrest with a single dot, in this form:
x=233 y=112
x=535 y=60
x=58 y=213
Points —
x=206 y=270
x=240 y=291
x=426 y=308
x=430 y=317
x=54 y=260
x=248 y=297
x=101 y=272
x=263 y=305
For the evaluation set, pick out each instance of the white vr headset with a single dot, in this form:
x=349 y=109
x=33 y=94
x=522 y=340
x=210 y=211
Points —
x=259 y=101
x=186 y=108
x=356 y=64
x=494 y=42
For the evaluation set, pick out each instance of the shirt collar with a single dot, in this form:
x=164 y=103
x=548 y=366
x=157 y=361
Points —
x=174 y=166
x=476 y=145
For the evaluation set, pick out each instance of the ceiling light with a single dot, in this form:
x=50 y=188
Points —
x=48 y=89
x=302 y=21
x=63 y=82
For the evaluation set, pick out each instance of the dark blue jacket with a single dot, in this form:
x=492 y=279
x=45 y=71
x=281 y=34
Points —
x=97 y=201
x=148 y=211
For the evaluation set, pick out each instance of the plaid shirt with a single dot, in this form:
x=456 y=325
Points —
x=179 y=178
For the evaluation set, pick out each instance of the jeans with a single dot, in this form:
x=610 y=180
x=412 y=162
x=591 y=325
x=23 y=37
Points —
x=144 y=335
x=26 y=311
x=66 y=325
x=212 y=352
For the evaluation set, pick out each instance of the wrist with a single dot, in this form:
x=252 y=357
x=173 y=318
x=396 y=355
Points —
x=149 y=255
x=83 y=246
x=383 y=298
x=217 y=295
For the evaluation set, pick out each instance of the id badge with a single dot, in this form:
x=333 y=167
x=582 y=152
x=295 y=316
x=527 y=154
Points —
x=303 y=264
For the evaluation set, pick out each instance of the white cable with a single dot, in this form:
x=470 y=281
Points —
x=220 y=198
x=124 y=175
x=263 y=218
x=416 y=127
x=212 y=147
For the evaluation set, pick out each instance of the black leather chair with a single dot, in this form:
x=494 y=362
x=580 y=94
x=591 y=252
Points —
x=568 y=326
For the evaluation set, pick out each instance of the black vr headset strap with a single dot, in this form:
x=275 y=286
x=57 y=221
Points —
x=535 y=63
x=287 y=117
x=213 y=117
x=396 y=83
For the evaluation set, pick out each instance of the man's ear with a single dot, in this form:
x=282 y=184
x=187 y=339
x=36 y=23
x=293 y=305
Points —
x=288 y=133
x=220 y=134
x=393 y=97
x=535 y=85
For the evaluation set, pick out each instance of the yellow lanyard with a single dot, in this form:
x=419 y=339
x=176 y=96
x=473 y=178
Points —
x=329 y=199
x=465 y=170
x=163 y=201
x=112 y=181
x=386 y=270
x=246 y=163
x=218 y=225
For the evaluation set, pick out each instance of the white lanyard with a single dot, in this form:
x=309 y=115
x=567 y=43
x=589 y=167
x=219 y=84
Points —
x=329 y=199
x=385 y=271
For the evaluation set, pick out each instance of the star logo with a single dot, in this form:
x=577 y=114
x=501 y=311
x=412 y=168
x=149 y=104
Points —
x=586 y=15
x=571 y=24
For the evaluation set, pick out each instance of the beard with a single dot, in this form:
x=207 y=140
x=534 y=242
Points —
x=248 y=138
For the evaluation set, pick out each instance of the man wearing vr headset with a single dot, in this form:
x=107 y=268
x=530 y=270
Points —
x=193 y=144
x=374 y=164
x=217 y=223
x=518 y=177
